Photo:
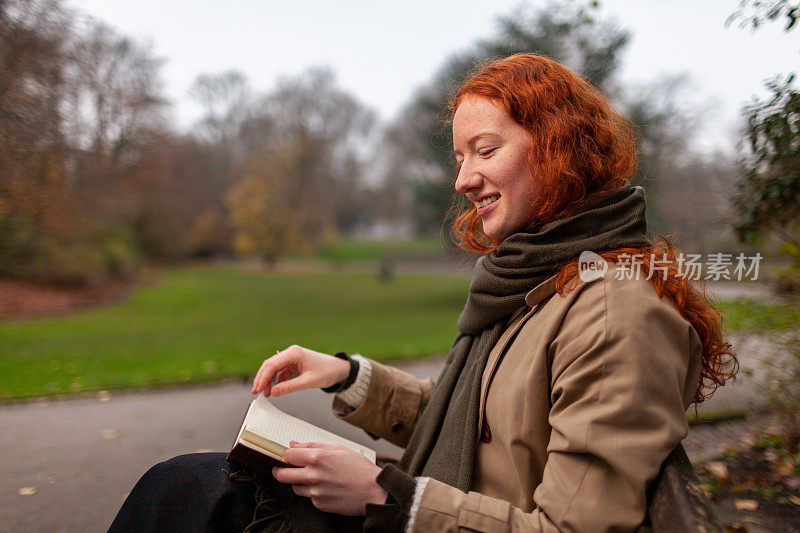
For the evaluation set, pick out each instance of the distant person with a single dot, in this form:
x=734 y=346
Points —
x=567 y=385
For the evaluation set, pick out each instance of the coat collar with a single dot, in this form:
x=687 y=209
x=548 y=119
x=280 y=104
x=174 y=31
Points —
x=543 y=290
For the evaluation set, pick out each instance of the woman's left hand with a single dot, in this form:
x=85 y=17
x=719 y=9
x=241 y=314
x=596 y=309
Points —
x=337 y=479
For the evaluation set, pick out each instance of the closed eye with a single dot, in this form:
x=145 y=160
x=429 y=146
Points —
x=487 y=152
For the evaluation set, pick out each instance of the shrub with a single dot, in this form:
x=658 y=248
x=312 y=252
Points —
x=85 y=255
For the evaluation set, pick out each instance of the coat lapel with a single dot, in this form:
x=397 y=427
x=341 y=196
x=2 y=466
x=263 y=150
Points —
x=542 y=291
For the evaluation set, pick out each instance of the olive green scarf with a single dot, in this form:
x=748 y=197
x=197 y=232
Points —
x=444 y=442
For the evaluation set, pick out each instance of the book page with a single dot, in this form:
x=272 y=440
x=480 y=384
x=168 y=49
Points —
x=265 y=419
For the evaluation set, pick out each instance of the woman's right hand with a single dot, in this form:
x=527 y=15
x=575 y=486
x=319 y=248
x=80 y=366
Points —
x=312 y=370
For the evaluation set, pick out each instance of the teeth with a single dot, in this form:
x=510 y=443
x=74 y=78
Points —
x=486 y=201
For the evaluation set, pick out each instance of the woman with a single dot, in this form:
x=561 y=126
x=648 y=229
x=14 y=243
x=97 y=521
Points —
x=561 y=395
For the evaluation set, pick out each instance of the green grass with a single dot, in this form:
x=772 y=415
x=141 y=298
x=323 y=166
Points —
x=746 y=315
x=208 y=323
x=203 y=324
x=711 y=417
x=373 y=250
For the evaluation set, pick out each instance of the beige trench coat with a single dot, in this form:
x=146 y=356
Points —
x=582 y=398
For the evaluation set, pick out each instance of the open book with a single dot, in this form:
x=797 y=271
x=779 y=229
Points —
x=266 y=432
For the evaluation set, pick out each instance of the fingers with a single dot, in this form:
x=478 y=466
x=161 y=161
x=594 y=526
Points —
x=295 y=444
x=269 y=367
x=306 y=453
x=292 y=385
x=335 y=478
x=293 y=360
x=304 y=490
x=309 y=491
x=320 y=445
x=305 y=456
x=293 y=476
x=306 y=459
x=284 y=374
x=261 y=377
x=311 y=453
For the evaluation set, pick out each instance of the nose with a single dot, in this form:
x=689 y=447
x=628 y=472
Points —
x=467 y=178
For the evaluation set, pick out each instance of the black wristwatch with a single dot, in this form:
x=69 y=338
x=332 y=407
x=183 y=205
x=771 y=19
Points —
x=351 y=377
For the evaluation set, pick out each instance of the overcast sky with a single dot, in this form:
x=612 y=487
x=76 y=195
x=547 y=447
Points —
x=382 y=50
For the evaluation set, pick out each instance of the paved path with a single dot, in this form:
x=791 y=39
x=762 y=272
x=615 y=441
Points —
x=753 y=290
x=84 y=454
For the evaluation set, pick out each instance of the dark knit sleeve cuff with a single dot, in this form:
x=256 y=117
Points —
x=399 y=485
x=394 y=514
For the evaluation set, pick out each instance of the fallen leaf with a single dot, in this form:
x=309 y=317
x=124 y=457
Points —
x=27 y=491
x=717 y=469
x=110 y=433
x=746 y=505
x=794 y=499
x=103 y=396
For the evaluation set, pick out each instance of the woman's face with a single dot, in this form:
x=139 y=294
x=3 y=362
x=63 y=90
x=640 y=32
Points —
x=491 y=152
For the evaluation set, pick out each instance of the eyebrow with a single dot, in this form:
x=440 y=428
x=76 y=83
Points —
x=475 y=138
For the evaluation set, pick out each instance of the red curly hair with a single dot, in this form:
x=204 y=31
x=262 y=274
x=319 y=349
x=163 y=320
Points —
x=590 y=149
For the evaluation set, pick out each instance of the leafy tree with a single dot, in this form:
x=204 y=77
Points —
x=260 y=213
x=767 y=198
x=266 y=219
x=755 y=12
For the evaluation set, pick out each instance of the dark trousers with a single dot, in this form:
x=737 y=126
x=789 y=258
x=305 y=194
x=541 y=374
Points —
x=203 y=492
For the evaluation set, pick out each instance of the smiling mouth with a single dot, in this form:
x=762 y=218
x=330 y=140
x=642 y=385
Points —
x=488 y=200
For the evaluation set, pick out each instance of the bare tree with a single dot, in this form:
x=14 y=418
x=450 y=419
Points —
x=78 y=109
x=320 y=187
x=113 y=108
x=226 y=99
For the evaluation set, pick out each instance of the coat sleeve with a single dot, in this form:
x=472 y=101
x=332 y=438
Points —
x=394 y=402
x=618 y=392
